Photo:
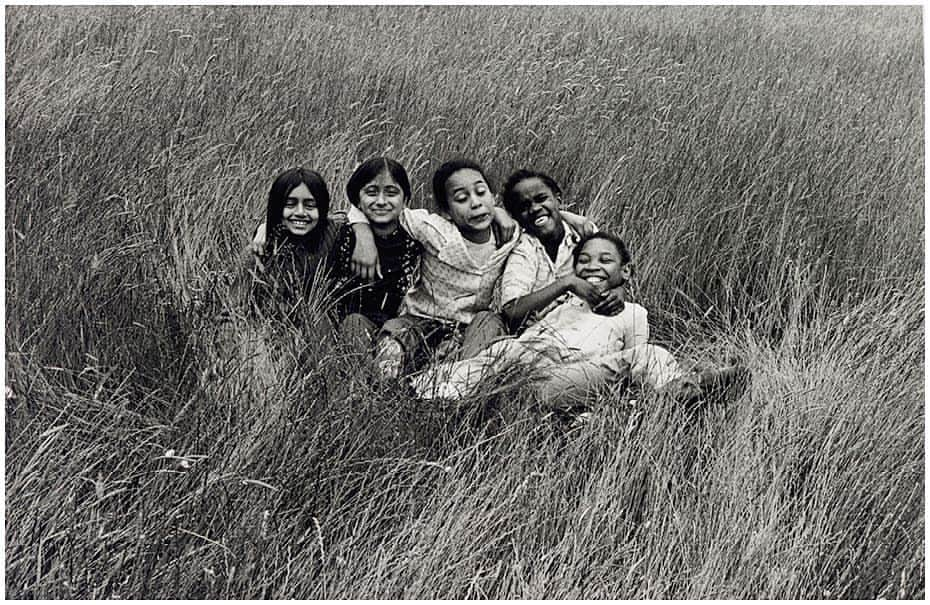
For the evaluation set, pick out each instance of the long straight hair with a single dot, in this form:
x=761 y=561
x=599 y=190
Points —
x=282 y=186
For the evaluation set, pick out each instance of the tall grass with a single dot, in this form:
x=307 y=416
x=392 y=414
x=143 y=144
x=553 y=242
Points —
x=765 y=165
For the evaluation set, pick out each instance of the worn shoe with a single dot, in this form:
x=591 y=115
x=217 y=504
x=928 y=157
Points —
x=715 y=384
x=389 y=359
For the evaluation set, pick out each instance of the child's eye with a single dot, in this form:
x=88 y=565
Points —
x=392 y=191
x=372 y=191
x=290 y=202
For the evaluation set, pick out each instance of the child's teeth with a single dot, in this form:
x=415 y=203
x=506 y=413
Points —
x=594 y=279
x=541 y=221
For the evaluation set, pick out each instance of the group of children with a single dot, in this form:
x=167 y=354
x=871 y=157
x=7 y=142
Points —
x=450 y=297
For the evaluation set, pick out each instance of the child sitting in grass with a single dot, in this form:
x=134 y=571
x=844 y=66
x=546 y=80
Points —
x=571 y=349
x=464 y=249
x=539 y=271
x=379 y=188
x=300 y=234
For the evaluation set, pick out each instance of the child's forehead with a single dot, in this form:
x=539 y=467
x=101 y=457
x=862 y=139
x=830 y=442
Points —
x=600 y=245
x=531 y=185
x=464 y=176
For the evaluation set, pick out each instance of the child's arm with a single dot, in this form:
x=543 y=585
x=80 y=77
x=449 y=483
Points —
x=365 y=262
x=503 y=226
x=613 y=301
x=517 y=310
x=578 y=222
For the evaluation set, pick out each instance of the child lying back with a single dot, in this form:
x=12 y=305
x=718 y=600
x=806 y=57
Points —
x=572 y=349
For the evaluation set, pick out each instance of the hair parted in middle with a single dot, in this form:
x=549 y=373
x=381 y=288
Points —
x=369 y=171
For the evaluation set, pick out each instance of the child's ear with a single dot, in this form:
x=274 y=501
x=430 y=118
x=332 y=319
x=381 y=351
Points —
x=626 y=272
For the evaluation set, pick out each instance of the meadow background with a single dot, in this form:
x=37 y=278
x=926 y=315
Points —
x=765 y=164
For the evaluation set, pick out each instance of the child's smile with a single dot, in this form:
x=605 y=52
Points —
x=382 y=200
x=600 y=264
x=539 y=209
x=300 y=214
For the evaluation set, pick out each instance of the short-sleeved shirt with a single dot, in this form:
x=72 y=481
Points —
x=452 y=285
x=529 y=268
x=380 y=300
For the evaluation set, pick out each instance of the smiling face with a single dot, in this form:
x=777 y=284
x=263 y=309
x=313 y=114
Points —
x=381 y=200
x=300 y=213
x=601 y=264
x=470 y=204
x=538 y=209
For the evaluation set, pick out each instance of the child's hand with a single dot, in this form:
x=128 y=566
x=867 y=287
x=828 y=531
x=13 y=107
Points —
x=503 y=225
x=582 y=289
x=257 y=245
x=612 y=303
x=364 y=262
x=579 y=223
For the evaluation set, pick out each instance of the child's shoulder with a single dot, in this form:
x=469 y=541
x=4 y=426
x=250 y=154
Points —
x=429 y=227
x=632 y=313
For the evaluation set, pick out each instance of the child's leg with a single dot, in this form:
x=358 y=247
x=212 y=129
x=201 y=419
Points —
x=454 y=380
x=652 y=365
x=644 y=364
x=404 y=339
x=484 y=329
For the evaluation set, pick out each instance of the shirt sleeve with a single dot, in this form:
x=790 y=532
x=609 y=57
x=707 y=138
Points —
x=577 y=221
x=636 y=326
x=354 y=215
x=341 y=252
x=519 y=277
x=431 y=230
x=425 y=227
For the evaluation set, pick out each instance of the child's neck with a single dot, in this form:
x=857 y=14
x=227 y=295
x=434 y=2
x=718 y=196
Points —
x=384 y=230
x=552 y=242
x=477 y=237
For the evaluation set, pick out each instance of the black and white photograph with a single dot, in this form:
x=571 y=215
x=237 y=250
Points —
x=446 y=301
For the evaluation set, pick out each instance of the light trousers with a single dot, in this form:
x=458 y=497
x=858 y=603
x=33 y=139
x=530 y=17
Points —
x=556 y=374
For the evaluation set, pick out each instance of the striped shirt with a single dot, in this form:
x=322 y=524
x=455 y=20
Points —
x=529 y=268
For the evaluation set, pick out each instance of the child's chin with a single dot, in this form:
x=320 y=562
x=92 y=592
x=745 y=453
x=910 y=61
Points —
x=301 y=232
x=481 y=227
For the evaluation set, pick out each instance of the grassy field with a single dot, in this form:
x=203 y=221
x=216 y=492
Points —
x=765 y=165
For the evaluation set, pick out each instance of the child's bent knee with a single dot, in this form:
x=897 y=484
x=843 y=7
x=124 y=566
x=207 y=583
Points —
x=485 y=328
